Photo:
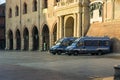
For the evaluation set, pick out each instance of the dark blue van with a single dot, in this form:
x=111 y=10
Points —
x=61 y=45
x=92 y=45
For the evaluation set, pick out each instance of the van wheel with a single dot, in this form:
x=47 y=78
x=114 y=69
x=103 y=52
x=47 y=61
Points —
x=59 y=52
x=92 y=53
x=75 y=53
x=99 y=53
x=54 y=53
x=69 y=54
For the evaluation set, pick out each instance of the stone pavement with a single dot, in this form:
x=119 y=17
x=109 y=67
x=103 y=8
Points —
x=107 y=78
x=112 y=55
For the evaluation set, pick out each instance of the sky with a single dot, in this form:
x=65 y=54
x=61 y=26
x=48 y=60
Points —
x=2 y=1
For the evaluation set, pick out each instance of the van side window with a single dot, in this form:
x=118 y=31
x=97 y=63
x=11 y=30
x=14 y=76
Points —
x=91 y=43
x=80 y=44
x=104 y=43
x=65 y=43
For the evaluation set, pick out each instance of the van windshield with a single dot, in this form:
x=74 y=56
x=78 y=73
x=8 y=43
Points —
x=59 y=42
x=75 y=42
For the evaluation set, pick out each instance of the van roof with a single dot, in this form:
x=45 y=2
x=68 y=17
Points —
x=95 y=38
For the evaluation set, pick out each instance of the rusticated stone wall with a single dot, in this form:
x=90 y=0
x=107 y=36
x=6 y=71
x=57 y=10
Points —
x=110 y=29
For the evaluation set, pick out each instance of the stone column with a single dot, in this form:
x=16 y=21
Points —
x=22 y=43
x=58 y=28
x=117 y=72
x=75 y=25
x=22 y=40
x=113 y=9
x=51 y=39
x=30 y=41
x=7 y=42
x=14 y=42
x=61 y=27
x=85 y=17
x=40 y=41
x=79 y=24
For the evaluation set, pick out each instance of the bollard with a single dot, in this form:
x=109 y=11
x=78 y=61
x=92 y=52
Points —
x=117 y=72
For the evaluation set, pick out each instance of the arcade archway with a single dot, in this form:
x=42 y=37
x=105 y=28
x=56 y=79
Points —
x=35 y=36
x=45 y=37
x=26 y=39
x=18 y=40
x=10 y=36
x=69 y=27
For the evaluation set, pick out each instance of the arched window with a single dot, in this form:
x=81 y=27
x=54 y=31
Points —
x=10 y=13
x=45 y=3
x=24 y=8
x=57 y=0
x=16 y=11
x=34 y=5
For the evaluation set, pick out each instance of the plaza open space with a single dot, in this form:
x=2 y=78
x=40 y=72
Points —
x=36 y=65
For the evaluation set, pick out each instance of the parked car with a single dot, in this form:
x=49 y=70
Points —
x=92 y=45
x=61 y=45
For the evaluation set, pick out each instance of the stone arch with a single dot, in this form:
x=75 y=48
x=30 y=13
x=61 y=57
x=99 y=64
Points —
x=26 y=38
x=10 y=37
x=18 y=40
x=45 y=37
x=69 y=27
x=35 y=37
x=54 y=33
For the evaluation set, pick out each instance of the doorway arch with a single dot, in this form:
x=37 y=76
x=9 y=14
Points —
x=26 y=39
x=10 y=36
x=45 y=37
x=35 y=36
x=69 y=27
x=18 y=40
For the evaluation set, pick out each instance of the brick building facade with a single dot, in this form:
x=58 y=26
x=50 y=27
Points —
x=2 y=26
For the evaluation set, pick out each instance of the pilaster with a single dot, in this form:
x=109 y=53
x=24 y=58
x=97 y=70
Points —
x=79 y=24
x=75 y=24
x=58 y=28
x=61 y=27
x=14 y=42
x=7 y=43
